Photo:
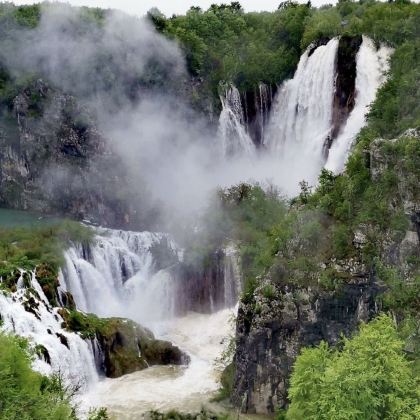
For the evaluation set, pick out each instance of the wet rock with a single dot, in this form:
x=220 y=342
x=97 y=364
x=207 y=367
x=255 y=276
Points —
x=127 y=347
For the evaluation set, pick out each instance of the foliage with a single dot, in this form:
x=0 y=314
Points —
x=252 y=214
x=27 y=248
x=224 y=43
x=25 y=394
x=98 y=414
x=177 y=415
x=370 y=378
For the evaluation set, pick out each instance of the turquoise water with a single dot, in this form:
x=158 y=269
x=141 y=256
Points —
x=15 y=218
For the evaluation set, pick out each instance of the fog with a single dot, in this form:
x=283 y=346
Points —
x=167 y=148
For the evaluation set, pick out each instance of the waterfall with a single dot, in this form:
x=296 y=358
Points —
x=117 y=276
x=232 y=276
x=232 y=130
x=372 y=65
x=302 y=112
x=264 y=99
x=27 y=313
x=121 y=274
x=301 y=116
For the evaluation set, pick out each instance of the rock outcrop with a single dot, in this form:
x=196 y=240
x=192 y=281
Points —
x=121 y=346
x=127 y=347
x=284 y=315
x=271 y=331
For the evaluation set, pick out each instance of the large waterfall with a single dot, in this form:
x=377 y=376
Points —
x=129 y=274
x=302 y=113
x=117 y=276
x=300 y=128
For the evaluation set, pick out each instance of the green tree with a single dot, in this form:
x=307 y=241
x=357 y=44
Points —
x=369 y=379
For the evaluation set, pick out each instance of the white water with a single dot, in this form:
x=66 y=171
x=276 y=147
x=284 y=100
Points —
x=118 y=277
x=171 y=387
x=302 y=113
x=75 y=362
x=372 y=65
x=235 y=141
x=94 y=277
x=300 y=120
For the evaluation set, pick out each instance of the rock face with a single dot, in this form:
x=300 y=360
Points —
x=54 y=160
x=126 y=347
x=346 y=80
x=210 y=285
x=120 y=345
x=257 y=106
x=269 y=341
x=345 y=85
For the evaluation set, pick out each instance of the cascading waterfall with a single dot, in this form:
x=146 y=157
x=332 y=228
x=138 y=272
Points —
x=118 y=276
x=232 y=130
x=27 y=313
x=301 y=116
x=372 y=65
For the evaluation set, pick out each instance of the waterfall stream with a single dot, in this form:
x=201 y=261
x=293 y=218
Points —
x=28 y=314
x=232 y=131
x=372 y=65
x=301 y=118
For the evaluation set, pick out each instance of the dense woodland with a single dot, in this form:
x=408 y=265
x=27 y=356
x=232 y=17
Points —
x=374 y=374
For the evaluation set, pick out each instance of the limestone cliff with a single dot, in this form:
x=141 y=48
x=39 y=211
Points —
x=294 y=308
x=54 y=160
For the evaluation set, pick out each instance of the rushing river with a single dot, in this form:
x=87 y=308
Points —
x=164 y=388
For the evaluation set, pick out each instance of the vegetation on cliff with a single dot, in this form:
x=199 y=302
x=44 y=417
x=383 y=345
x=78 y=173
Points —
x=38 y=248
x=225 y=43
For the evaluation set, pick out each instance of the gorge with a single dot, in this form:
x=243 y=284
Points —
x=223 y=225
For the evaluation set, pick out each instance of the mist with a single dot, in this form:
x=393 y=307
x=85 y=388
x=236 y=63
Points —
x=134 y=82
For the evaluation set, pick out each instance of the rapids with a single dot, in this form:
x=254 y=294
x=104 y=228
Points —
x=118 y=276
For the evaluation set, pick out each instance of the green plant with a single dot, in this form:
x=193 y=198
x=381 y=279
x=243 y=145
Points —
x=369 y=378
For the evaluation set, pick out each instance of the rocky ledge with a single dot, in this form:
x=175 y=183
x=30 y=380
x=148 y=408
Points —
x=122 y=345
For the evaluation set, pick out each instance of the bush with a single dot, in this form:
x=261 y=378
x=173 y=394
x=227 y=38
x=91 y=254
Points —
x=25 y=394
x=370 y=378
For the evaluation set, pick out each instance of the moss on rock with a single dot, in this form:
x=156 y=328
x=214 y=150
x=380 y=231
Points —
x=126 y=346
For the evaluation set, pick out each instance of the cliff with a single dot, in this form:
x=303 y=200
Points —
x=54 y=160
x=295 y=307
